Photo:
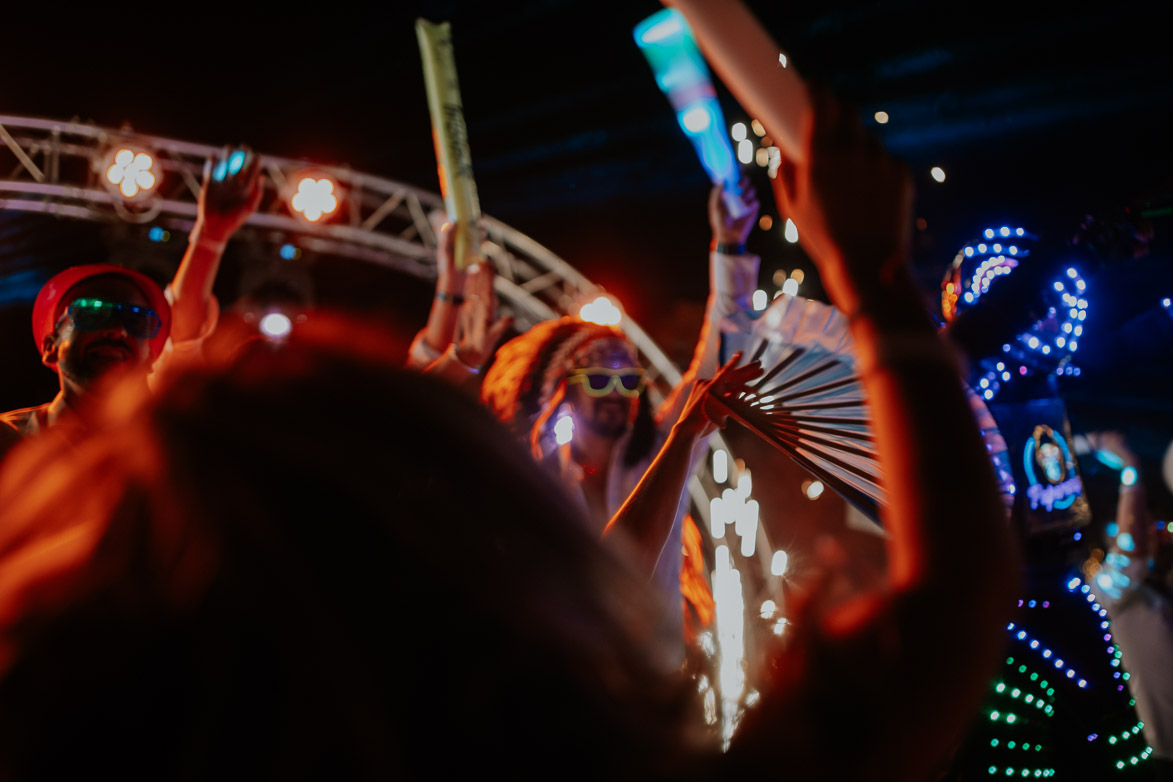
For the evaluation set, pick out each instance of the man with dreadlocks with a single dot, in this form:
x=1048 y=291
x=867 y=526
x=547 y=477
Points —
x=574 y=391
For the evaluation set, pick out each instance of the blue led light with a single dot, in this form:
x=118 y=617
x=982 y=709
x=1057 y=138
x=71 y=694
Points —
x=1128 y=476
x=235 y=162
x=289 y=252
x=156 y=234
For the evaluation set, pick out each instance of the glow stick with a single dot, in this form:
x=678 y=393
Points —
x=450 y=136
x=748 y=60
x=681 y=74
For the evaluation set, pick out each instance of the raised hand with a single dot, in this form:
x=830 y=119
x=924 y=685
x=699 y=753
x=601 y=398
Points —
x=704 y=411
x=231 y=192
x=728 y=229
x=478 y=329
x=851 y=202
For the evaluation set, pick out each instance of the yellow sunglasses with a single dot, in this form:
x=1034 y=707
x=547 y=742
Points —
x=600 y=381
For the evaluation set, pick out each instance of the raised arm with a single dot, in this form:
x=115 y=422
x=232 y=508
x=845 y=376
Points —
x=438 y=333
x=913 y=658
x=1132 y=514
x=477 y=331
x=733 y=274
x=230 y=194
x=645 y=520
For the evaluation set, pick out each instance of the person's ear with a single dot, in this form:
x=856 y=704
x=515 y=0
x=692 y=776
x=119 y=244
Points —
x=49 y=349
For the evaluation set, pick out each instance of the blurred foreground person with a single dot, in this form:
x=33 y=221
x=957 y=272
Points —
x=252 y=591
x=97 y=323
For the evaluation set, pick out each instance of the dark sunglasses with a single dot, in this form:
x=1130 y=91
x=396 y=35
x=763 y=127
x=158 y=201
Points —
x=600 y=381
x=96 y=314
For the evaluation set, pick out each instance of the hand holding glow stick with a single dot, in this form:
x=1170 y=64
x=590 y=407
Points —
x=450 y=136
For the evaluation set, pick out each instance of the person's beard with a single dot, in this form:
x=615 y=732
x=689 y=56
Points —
x=610 y=417
x=89 y=369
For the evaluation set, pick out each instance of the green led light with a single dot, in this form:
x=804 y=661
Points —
x=1015 y=692
x=1127 y=676
x=1022 y=669
x=993 y=769
x=993 y=742
x=1010 y=718
x=1034 y=677
x=1132 y=701
x=1009 y=771
x=1011 y=744
x=1038 y=747
x=1029 y=698
x=1010 y=661
x=1119 y=764
x=1043 y=684
x=1050 y=690
x=1111 y=739
x=994 y=716
x=1000 y=688
x=1133 y=760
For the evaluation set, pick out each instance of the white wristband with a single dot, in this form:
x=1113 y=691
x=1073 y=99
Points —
x=211 y=244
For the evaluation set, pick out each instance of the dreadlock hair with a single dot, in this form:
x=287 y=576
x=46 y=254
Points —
x=527 y=373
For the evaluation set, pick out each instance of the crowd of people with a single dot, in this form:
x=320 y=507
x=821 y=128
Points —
x=308 y=560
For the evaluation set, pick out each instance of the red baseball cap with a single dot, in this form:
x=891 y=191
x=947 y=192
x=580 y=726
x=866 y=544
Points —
x=52 y=300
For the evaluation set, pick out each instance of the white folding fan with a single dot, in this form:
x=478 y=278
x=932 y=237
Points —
x=810 y=403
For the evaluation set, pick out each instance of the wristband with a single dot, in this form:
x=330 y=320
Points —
x=451 y=298
x=211 y=244
x=451 y=352
x=729 y=248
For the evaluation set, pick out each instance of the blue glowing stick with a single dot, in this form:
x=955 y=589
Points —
x=681 y=74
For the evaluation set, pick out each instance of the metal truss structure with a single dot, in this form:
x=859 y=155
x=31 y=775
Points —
x=57 y=168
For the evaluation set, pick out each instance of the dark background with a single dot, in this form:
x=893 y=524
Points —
x=1038 y=118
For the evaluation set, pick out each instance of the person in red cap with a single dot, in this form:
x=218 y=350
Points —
x=100 y=322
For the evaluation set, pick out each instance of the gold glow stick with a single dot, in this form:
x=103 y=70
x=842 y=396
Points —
x=453 y=161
